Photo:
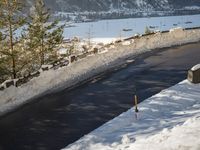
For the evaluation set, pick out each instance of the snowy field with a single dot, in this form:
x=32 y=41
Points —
x=169 y=120
x=108 y=30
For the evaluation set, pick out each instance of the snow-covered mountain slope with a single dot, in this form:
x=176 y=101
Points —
x=81 y=10
x=106 y=5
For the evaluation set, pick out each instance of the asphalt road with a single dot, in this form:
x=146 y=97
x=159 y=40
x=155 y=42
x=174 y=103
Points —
x=56 y=120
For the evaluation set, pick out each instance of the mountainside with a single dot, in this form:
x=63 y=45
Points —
x=106 y=5
x=123 y=8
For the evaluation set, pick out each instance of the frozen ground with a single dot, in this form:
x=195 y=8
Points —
x=169 y=120
x=109 y=30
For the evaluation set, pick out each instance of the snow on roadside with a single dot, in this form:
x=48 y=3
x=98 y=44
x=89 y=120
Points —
x=181 y=137
x=196 y=67
x=66 y=77
x=160 y=124
x=104 y=40
x=84 y=69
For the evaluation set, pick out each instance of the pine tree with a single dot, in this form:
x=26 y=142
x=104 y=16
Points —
x=10 y=21
x=44 y=36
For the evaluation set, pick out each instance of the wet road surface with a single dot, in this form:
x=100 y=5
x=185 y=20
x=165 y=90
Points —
x=56 y=120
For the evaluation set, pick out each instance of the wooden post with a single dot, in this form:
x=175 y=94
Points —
x=136 y=102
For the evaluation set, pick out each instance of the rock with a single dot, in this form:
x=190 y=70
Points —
x=118 y=41
x=64 y=62
x=45 y=67
x=21 y=81
x=2 y=88
x=81 y=56
x=9 y=83
x=56 y=63
x=35 y=74
x=72 y=59
x=95 y=50
x=100 y=44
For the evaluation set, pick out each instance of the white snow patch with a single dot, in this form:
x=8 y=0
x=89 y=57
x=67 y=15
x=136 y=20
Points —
x=103 y=40
x=180 y=137
x=192 y=7
x=63 y=51
x=196 y=67
x=176 y=29
x=126 y=43
x=167 y=120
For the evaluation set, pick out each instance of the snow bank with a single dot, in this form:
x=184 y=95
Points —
x=103 y=40
x=65 y=77
x=178 y=29
x=176 y=36
x=168 y=120
x=181 y=137
x=86 y=68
